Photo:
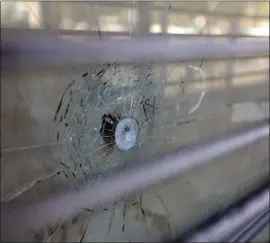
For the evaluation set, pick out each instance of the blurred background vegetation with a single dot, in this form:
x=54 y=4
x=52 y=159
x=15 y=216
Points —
x=172 y=17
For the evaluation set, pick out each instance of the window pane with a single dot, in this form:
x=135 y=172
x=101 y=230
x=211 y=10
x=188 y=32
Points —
x=116 y=18
x=156 y=22
x=230 y=7
x=190 y=5
x=252 y=64
x=257 y=8
x=158 y=4
x=210 y=68
x=180 y=24
x=20 y=15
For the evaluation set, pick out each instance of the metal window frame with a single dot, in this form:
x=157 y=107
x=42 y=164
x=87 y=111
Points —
x=45 y=48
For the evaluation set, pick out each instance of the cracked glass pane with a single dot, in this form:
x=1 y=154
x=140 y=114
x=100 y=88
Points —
x=108 y=115
x=117 y=115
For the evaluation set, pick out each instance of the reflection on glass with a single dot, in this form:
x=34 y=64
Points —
x=20 y=14
x=155 y=28
x=252 y=64
x=250 y=80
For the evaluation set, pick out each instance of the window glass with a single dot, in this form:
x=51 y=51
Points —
x=20 y=15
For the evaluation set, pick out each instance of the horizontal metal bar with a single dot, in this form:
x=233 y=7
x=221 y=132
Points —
x=254 y=228
x=92 y=33
x=45 y=48
x=125 y=182
x=238 y=223
x=235 y=220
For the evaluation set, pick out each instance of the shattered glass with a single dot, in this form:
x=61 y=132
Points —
x=94 y=112
x=93 y=107
x=103 y=104
x=154 y=96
